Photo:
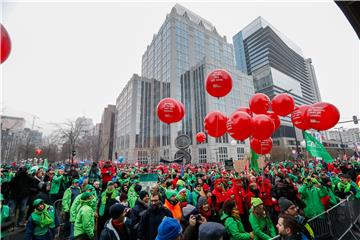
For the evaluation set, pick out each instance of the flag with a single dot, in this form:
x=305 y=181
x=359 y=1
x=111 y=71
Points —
x=315 y=148
x=46 y=164
x=254 y=161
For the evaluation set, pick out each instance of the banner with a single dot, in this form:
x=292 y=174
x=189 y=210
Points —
x=254 y=161
x=241 y=165
x=315 y=148
x=148 y=180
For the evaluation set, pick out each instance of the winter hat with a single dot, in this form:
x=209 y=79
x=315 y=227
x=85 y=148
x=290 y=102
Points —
x=89 y=187
x=256 y=202
x=182 y=190
x=116 y=210
x=169 y=229
x=137 y=188
x=211 y=231
x=202 y=201
x=142 y=194
x=284 y=204
x=37 y=202
x=85 y=195
x=189 y=210
x=180 y=183
x=169 y=193
x=75 y=181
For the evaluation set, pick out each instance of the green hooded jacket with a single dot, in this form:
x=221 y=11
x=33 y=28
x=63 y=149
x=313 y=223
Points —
x=259 y=224
x=55 y=184
x=103 y=199
x=66 y=200
x=132 y=196
x=74 y=209
x=311 y=195
x=234 y=228
x=5 y=214
x=84 y=222
x=43 y=220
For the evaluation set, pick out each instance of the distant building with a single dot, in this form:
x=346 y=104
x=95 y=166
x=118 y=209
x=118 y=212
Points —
x=351 y=135
x=176 y=64
x=12 y=123
x=107 y=133
x=277 y=65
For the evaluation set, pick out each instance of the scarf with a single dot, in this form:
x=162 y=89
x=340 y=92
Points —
x=205 y=214
x=45 y=218
x=181 y=198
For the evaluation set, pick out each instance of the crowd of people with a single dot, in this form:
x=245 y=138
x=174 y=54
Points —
x=188 y=202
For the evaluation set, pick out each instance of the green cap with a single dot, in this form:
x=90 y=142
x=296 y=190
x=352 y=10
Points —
x=89 y=187
x=169 y=193
x=37 y=202
x=110 y=183
x=75 y=181
x=256 y=202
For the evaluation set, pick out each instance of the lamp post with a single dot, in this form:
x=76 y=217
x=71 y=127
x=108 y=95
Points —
x=341 y=140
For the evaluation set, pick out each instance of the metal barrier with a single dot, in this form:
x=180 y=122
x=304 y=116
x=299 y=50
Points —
x=341 y=222
x=58 y=207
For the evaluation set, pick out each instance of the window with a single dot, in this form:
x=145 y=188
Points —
x=222 y=154
x=142 y=157
x=202 y=155
x=240 y=152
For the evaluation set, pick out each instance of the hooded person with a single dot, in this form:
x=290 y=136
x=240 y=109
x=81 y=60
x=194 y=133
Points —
x=211 y=231
x=191 y=220
x=237 y=193
x=169 y=229
x=6 y=220
x=219 y=194
x=182 y=197
x=311 y=193
x=84 y=223
x=69 y=196
x=205 y=210
x=141 y=205
x=118 y=227
x=173 y=204
x=262 y=226
x=133 y=194
x=42 y=222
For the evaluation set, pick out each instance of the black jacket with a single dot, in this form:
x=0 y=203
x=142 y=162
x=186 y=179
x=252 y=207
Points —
x=20 y=186
x=150 y=222
x=109 y=232
x=137 y=211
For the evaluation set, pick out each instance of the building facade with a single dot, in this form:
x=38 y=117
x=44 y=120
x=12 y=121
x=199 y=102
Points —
x=106 y=133
x=180 y=56
x=351 y=135
x=277 y=65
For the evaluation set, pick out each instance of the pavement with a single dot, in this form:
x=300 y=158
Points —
x=16 y=234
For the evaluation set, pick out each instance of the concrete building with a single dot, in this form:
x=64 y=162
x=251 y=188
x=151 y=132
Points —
x=107 y=133
x=133 y=120
x=351 y=135
x=12 y=123
x=185 y=44
x=277 y=65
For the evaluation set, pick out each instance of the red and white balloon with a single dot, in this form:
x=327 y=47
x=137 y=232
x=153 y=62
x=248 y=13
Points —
x=5 y=44
x=323 y=116
x=200 y=137
x=259 y=103
x=240 y=125
x=263 y=127
x=219 y=83
x=261 y=146
x=170 y=110
x=282 y=104
x=299 y=117
x=215 y=123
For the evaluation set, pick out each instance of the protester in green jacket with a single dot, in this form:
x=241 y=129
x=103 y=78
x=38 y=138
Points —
x=84 y=223
x=311 y=193
x=69 y=195
x=108 y=197
x=42 y=222
x=232 y=222
x=75 y=205
x=58 y=185
x=260 y=222
x=6 y=220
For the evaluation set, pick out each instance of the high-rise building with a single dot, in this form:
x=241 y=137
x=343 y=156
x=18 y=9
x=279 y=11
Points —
x=133 y=120
x=107 y=132
x=180 y=56
x=277 y=65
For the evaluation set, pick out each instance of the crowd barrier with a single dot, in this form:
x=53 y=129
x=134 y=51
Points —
x=341 y=222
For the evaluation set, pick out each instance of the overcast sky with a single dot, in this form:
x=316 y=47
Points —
x=72 y=59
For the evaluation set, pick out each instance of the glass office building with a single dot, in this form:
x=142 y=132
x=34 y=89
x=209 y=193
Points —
x=277 y=65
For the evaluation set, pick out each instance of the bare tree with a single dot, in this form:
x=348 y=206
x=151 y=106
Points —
x=70 y=132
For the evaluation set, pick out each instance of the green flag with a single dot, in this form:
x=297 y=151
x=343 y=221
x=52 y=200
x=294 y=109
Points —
x=46 y=164
x=315 y=148
x=254 y=161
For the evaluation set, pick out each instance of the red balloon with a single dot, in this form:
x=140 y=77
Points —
x=263 y=127
x=215 y=123
x=5 y=44
x=219 y=83
x=283 y=104
x=323 y=116
x=240 y=125
x=200 y=137
x=261 y=146
x=38 y=152
x=275 y=118
x=299 y=117
x=182 y=108
x=170 y=110
x=259 y=103
x=245 y=109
